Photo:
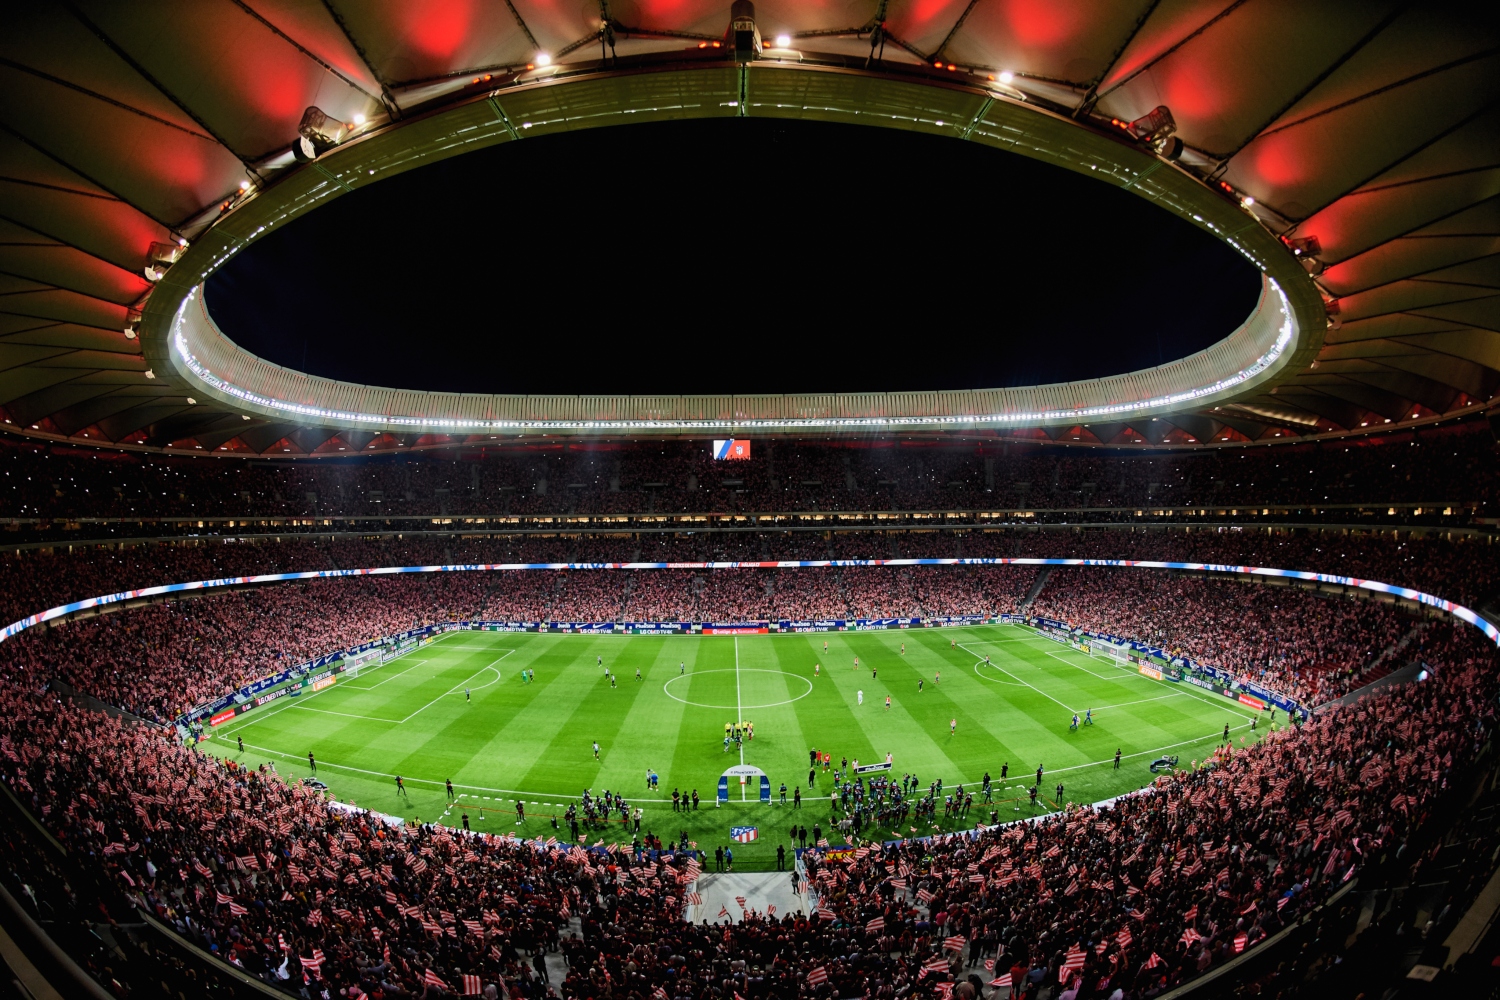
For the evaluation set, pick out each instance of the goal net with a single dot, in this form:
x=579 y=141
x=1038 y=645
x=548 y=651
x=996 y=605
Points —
x=1118 y=653
x=352 y=664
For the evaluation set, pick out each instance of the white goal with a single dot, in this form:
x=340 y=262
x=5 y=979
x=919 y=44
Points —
x=1120 y=654
x=352 y=664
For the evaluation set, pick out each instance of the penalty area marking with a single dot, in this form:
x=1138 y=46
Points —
x=993 y=680
x=666 y=688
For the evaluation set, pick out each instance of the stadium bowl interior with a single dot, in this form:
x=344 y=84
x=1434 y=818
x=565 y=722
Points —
x=459 y=459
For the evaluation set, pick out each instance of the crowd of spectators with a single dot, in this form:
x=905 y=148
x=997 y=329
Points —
x=160 y=659
x=1135 y=896
x=1462 y=569
x=1310 y=647
x=1448 y=465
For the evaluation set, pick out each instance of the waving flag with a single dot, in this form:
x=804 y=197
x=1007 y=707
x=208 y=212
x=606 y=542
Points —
x=1073 y=960
x=1001 y=980
x=817 y=976
x=937 y=963
x=471 y=986
x=430 y=978
x=875 y=926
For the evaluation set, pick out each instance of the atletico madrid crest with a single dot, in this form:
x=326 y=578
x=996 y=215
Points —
x=743 y=834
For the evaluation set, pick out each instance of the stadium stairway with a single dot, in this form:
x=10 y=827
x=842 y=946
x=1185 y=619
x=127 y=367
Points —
x=759 y=890
x=1381 y=665
x=1036 y=587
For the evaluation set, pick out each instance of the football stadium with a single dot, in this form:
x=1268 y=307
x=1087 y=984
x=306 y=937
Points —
x=706 y=500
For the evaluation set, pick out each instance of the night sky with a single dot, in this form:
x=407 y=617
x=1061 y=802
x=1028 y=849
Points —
x=744 y=256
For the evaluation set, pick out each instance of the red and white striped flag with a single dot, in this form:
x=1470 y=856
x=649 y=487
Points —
x=875 y=926
x=430 y=978
x=1123 y=938
x=1240 y=940
x=824 y=913
x=817 y=976
x=1073 y=960
x=1151 y=962
x=1001 y=980
x=472 y=987
x=955 y=943
x=937 y=963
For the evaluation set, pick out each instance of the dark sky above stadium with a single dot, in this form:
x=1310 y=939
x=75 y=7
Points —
x=744 y=256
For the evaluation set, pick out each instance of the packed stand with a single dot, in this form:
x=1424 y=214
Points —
x=1444 y=465
x=1139 y=895
x=1289 y=640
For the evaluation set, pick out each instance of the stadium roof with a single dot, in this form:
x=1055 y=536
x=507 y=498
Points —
x=1370 y=128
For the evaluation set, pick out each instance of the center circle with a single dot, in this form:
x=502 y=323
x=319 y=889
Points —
x=666 y=688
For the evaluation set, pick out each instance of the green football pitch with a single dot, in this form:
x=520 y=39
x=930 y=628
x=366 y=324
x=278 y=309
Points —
x=459 y=709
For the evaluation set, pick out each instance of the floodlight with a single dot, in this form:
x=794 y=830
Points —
x=1306 y=246
x=743 y=32
x=320 y=127
x=783 y=41
x=359 y=119
x=159 y=257
x=1155 y=125
x=317 y=133
x=543 y=59
x=1007 y=77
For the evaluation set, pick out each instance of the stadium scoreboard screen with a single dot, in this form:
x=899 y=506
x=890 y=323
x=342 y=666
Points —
x=731 y=450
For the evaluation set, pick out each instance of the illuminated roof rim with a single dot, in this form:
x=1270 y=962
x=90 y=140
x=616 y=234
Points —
x=317 y=386
x=992 y=117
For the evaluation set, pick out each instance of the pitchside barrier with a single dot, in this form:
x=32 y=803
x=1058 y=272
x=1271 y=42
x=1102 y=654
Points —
x=332 y=663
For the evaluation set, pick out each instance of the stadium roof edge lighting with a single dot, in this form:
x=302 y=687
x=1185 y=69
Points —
x=1286 y=324
x=436 y=411
x=1354 y=178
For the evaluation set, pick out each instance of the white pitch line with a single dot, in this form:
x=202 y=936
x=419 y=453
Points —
x=739 y=712
x=372 y=687
x=1007 y=673
x=1102 y=677
x=1160 y=697
x=1187 y=692
x=455 y=687
x=347 y=715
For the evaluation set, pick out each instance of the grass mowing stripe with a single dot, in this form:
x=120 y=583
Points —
x=517 y=740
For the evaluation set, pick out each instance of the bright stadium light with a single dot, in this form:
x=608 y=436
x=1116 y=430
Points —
x=543 y=59
x=359 y=119
x=1007 y=77
x=783 y=41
